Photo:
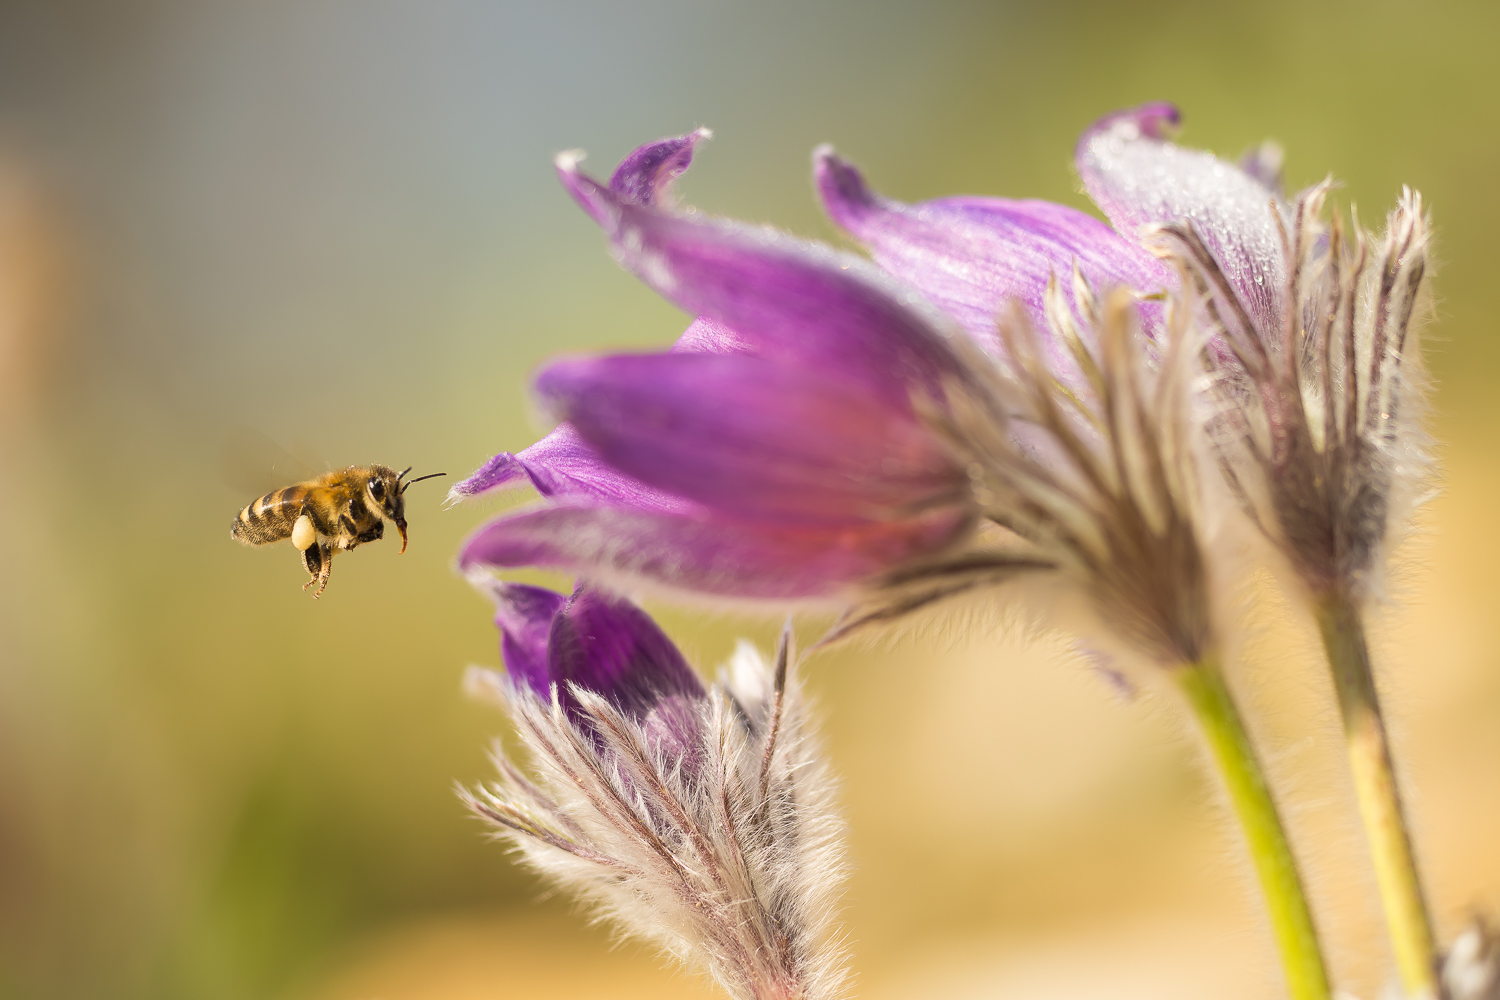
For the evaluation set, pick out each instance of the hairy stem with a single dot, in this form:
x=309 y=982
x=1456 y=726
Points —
x=1229 y=746
x=1379 y=798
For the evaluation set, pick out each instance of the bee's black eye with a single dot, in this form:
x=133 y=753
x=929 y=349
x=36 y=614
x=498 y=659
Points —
x=377 y=489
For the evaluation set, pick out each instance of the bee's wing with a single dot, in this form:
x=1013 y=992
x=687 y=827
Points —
x=252 y=464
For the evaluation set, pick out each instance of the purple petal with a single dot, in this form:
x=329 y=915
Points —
x=1139 y=179
x=562 y=464
x=788 y=299
x=607 y=645
x=645 y=176
x=970 y=255
x=706 y=554
x=497 y=472
x=524 y=616
x=753 y=438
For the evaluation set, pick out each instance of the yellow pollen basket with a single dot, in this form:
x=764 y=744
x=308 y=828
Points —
x=303 y=533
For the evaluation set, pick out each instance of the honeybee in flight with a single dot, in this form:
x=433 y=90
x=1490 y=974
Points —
x=338 y=510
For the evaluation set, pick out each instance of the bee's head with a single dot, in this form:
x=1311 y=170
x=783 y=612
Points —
x=386 y=490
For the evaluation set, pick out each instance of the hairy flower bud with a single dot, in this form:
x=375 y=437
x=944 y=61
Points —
x=1315 y=383
x=699 y=818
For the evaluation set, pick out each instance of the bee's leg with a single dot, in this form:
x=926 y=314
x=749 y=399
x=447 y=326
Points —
x=319 y=560
x=327 y=566
x=373 y=534
x=312 y=559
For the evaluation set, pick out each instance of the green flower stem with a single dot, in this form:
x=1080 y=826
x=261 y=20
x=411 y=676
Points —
x=1229 y=745
x=1406 y=914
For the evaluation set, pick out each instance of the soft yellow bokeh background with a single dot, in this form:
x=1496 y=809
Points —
x=335 y=221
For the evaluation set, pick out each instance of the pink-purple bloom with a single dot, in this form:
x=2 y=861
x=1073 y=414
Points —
x=776 y=452
x=786 y=446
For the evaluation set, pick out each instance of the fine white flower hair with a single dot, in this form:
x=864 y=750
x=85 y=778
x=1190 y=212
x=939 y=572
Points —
x=719 y=843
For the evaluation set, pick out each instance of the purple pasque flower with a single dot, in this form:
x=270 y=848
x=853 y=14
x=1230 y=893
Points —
x=777 y=452
x=784 y=448
x=698 y=817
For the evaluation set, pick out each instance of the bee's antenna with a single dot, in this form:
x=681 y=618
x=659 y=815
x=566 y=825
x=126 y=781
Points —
x=430 y=475
x=403 y=475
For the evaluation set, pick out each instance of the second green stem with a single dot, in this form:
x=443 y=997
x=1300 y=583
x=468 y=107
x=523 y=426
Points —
x=1375 y=786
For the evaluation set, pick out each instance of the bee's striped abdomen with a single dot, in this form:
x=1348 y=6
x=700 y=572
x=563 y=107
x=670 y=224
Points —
x=270 y=518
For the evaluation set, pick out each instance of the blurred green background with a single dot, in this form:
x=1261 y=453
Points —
x=335 y=221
